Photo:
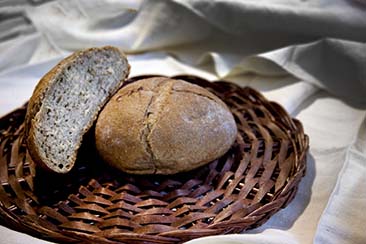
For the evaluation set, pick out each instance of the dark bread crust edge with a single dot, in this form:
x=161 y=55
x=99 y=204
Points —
x=36 y=100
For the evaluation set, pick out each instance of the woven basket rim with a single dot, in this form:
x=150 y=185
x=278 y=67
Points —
x=270 y=125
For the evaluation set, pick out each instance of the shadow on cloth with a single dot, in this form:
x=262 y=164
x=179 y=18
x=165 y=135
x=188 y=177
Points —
x=321 y=94
x=286 y=217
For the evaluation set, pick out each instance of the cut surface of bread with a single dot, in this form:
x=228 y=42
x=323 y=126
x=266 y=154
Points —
x=67 y=101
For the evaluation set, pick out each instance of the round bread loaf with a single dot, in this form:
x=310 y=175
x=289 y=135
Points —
x=163 y=126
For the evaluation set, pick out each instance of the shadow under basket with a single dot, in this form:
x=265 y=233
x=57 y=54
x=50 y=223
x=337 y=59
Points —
x=93 y=203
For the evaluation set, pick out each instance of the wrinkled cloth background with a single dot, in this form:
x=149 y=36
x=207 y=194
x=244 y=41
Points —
x=308 y=55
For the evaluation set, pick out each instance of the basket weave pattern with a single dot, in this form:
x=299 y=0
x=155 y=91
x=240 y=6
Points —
x=257 y=177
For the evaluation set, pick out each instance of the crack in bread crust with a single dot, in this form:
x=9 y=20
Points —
x=212 y=98
x=153 y=113
x=154 y=109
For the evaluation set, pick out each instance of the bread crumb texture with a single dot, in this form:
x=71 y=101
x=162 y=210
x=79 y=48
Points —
x=66 y=103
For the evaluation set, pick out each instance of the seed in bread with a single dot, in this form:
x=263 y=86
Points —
x=163 y=126
x=66 y=102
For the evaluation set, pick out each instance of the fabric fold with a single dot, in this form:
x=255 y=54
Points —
x=344 y=215
x=324 y=46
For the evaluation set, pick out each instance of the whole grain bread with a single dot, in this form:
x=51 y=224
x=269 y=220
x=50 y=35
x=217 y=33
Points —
x=163 y=126
x=66 y=102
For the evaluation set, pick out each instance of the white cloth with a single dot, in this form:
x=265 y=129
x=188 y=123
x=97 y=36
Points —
x=310 y=56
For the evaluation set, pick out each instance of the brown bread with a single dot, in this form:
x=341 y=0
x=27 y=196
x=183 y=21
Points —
x=66 y=102
x=163 y=126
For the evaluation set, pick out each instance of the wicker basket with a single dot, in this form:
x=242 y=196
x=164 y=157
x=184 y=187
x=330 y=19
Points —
x=94 y=203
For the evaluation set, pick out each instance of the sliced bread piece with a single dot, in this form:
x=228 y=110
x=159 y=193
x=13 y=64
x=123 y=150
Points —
x=66 y=102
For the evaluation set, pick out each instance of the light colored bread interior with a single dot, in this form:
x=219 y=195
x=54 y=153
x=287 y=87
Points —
x=67 y=101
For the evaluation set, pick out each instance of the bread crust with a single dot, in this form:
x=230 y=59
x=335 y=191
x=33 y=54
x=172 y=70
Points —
x=163 y=126
x=38 y=96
